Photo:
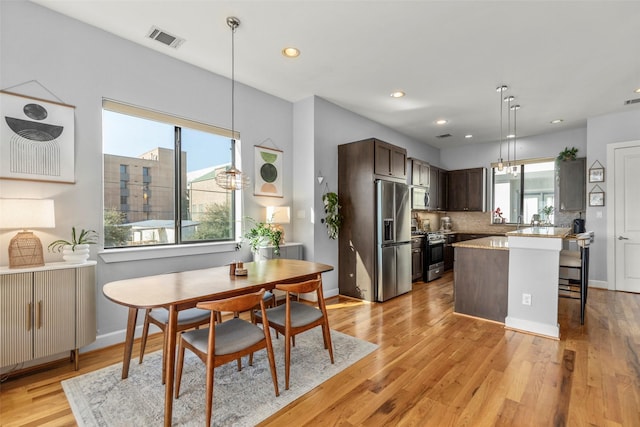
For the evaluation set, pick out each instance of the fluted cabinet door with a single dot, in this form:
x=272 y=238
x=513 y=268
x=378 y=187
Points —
x=85 y=306
x=16 y=322
x=54 y=299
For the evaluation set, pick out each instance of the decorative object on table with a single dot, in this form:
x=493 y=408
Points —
x=497 y=216
x=332 y=218
x=263 y=234
x=596 y=172
x=77 y=249
x=232 y=178
x=241 y=397
x=547 y=211
x=268 y=172
x=36 y=139
x=277 y=215
x=25 y=248
x=567 y=154
x=596 y=196
x=240 y=270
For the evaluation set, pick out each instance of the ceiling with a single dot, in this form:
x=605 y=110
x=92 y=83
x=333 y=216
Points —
x=567 y=60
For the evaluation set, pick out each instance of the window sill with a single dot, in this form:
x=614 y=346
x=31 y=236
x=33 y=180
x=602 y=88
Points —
x=170 y=251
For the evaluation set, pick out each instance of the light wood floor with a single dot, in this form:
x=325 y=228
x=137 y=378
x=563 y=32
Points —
x=433 y=368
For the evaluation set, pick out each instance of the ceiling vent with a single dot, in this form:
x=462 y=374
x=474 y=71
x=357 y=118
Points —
x=165 y=38
x=632 y=101
x=444 y=135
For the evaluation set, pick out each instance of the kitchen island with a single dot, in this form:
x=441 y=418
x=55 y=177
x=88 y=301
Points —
x=481 y=276
x=534 y=258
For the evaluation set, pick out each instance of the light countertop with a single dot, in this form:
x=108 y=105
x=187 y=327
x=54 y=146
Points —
x=490 y=242
x=553 y=232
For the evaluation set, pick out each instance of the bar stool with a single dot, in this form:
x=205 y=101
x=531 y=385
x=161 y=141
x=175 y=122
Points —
x=576 y=286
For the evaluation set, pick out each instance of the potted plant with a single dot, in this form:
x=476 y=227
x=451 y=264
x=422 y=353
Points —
x=77 y=249
x=547 y=211
x=332 y=217
x=568 y=154
x=263 y=234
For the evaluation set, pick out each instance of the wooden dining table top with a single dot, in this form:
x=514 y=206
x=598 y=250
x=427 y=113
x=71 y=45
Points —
x=188 y=287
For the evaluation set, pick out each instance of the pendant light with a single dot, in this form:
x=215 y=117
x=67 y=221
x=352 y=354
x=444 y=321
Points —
x=232 y=178
x=507 y=100
x=500 y=89
x=515 y=168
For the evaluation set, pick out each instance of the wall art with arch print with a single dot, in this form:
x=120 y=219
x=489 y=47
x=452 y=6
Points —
x=268 y=172
x=36 y=139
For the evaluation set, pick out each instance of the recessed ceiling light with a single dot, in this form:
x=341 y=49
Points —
x=442 y=122
x=291 y=52
x=556 y=121
x=397 y=94
x=468 y=136
x=511 y=136
x=637 y=90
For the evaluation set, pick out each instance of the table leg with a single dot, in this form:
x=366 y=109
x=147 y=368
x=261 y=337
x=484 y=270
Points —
x=170 y=364
x=128 y=343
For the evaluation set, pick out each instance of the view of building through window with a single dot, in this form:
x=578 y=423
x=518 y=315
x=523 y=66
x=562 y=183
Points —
x=527 y=193
x=150 y=198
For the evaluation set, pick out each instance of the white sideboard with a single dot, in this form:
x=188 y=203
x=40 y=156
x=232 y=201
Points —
x=46 y=310
x=287 y=251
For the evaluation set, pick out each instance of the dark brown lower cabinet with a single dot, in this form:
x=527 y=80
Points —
x=481 y=283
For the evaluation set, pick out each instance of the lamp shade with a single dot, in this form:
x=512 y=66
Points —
x=27 y=213
x=278 y=214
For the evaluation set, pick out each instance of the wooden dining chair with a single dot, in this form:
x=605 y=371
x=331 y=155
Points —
x=294 y=317
x=227 y=341
x=187 y=319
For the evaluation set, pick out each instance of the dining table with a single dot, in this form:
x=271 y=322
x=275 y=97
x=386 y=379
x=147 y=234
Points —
x=184 y=289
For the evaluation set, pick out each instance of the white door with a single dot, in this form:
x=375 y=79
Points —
x=627 y=218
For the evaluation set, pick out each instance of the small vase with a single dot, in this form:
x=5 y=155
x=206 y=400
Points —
x=77 y=255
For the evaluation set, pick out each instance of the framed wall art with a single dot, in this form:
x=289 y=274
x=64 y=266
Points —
x=36 y=139
x=596 y=196
x=268 y=172
x=596 y=172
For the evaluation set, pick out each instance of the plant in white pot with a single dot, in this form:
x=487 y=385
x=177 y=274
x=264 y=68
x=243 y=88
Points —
x=263 y=234
x=77 y=249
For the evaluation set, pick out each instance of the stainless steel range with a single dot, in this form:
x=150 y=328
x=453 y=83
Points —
x=433 y=256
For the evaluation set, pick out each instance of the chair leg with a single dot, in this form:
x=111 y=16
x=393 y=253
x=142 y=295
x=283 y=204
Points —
x=326 y=333
x=209 y=395
x=179 y=368
x=287 y=359
x=145 y=333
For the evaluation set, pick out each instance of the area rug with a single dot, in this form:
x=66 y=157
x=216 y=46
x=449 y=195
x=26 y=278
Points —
x=102 y=398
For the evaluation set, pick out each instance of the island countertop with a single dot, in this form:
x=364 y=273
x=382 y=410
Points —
x=490 y=242
x=554 y=232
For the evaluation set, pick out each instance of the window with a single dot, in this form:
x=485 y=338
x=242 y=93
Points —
x=164 y=200
x=525 y=194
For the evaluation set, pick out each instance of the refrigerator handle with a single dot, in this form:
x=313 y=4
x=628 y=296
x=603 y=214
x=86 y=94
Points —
x=388 y=230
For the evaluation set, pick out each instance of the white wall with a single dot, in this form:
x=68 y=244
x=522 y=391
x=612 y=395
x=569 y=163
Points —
x=80 y=65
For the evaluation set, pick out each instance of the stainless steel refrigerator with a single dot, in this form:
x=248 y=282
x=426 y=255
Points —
x=393 y=239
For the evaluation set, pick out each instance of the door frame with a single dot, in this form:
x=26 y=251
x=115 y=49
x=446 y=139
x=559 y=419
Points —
x=610 y=191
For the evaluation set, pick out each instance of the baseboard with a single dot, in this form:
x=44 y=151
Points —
x=600 y=284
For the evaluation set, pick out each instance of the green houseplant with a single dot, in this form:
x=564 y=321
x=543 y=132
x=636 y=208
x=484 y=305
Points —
x=262 y=234
x=568 y=154
x=75 y=250
x=85 y=237
x=332 y=218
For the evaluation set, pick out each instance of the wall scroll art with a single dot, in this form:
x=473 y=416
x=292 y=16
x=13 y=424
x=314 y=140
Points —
x=596 y=172
x=268 y=172
x=36 y=139
x=596 y=196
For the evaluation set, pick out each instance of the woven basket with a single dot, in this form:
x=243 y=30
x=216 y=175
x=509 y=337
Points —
x=25 y=250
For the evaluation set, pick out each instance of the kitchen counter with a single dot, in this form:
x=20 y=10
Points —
x=490 y=242
x=552 y=232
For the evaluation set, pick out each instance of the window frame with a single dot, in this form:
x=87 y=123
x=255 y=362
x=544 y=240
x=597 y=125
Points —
x=521 y=172
x=178 y=123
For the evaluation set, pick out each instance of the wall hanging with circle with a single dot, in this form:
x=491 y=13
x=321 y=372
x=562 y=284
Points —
x=268 y=172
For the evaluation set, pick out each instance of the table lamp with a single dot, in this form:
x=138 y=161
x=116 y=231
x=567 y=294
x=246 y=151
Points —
x=277 y=215
x=25 y=248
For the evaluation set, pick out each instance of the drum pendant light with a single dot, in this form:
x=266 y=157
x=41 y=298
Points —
x=232 y=178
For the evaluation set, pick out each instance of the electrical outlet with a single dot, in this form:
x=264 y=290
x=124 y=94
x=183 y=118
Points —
x=526 y=299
